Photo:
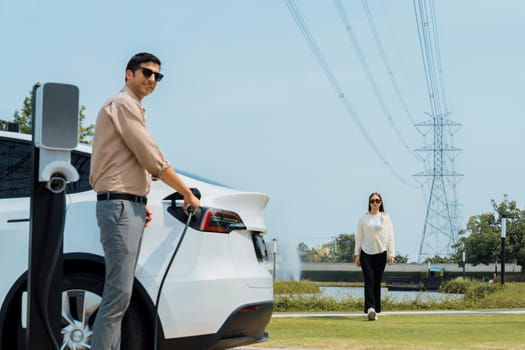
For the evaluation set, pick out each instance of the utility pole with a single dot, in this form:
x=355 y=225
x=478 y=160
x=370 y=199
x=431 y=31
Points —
x=274 y=258
x=503 y=235
x=463 y=261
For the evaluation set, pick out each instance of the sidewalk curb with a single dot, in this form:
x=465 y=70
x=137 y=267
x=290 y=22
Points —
x=394 y=313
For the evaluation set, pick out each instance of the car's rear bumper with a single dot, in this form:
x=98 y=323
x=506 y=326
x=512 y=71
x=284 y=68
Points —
x=244 y=326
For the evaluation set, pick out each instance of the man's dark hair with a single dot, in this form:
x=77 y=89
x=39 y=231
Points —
x=140 y=58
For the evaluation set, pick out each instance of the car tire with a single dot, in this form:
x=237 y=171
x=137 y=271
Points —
x=82 y=291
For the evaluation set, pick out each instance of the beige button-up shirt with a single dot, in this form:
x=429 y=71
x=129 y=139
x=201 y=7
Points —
x=125 y=156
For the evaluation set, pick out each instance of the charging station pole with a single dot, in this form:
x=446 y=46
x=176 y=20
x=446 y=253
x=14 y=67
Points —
x=55 y=134
x=45 y=273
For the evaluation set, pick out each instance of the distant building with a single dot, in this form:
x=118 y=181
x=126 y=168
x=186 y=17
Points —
x=7 y=125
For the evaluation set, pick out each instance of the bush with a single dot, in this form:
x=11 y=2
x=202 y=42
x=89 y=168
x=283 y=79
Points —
x=305 y=296
x=472 y=290
x=295 y=287
x=310 y=303
x=457 y=286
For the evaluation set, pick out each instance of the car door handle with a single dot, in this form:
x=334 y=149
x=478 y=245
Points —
x=17 y=220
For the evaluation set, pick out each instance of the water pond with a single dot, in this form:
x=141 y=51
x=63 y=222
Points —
x=340 y=293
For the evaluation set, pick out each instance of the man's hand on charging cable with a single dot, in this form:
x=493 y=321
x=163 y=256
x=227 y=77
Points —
x=191 y=201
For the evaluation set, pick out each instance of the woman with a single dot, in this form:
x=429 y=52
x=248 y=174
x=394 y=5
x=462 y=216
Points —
x=374 y=246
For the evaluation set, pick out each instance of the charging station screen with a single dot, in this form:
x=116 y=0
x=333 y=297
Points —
x=60 y=116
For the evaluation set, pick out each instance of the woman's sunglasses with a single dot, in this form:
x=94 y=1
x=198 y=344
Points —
x=148 y=72
x=375 y=200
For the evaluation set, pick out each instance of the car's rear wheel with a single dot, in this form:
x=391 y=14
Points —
x=80 y=303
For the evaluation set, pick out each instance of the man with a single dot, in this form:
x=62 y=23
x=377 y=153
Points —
x=124 y=159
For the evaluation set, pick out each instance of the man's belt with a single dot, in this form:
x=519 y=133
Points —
x=106 y=196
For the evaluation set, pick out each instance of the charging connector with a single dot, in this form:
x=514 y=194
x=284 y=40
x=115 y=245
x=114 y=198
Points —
x=56 y=184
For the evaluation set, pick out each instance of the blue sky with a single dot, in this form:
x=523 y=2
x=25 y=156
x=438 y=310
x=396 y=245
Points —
x=244 y=101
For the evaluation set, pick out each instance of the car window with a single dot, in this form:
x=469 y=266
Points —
x=16 y=164
x=82 y=162
x=15 y=168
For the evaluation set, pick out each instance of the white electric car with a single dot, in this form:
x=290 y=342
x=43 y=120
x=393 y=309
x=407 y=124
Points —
x=218 y=293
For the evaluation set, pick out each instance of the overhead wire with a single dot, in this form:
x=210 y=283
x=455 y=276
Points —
x=426 y=45
x=386 y=62
x=395 y=85
x=419 y=15
x=362 y=60
x=305 y=31
x=438 y=58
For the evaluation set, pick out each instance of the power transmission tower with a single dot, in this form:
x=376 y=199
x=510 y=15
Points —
x=442 y=214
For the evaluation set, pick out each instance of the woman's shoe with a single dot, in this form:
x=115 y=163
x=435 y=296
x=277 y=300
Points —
x=372 y=315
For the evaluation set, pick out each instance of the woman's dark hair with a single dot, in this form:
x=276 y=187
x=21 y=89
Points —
x=139 y=58
x=381 y=207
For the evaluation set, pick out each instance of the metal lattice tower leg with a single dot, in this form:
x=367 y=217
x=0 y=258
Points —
x=438 y=232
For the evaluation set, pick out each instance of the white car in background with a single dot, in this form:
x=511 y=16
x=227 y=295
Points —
x=218 y=293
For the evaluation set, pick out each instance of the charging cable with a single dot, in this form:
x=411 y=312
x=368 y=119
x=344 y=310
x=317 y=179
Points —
x=156 y=327
x=44 y=312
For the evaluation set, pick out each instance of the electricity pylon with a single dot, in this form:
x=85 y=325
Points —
x=442 y=218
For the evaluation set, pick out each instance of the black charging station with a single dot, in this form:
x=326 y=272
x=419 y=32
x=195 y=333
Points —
x=55 y=135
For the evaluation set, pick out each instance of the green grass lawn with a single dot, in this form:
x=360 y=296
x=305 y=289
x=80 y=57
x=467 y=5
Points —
x=487 y=331
x=408 y=332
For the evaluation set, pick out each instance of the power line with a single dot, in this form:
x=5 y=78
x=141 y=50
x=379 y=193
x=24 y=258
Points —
x=359 y=52
x=386 y=61
x=305 y=31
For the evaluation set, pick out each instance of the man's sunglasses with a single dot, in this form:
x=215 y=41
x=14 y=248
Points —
x=148 y=72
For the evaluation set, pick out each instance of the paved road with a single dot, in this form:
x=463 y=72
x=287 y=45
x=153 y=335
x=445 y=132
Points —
x=383 y=314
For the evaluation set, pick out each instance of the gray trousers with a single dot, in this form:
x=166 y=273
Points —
x=121 y=224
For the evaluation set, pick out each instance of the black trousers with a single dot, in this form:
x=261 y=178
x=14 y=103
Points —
x=373 y=267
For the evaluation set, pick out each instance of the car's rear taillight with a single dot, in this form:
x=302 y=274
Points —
x=222 y=221
x=209 y=219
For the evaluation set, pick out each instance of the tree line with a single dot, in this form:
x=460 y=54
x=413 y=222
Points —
x=339 y=250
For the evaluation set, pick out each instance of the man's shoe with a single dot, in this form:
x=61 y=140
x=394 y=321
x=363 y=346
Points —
x=372 y=315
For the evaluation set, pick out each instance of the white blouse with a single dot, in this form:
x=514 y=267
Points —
x=375 y=235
